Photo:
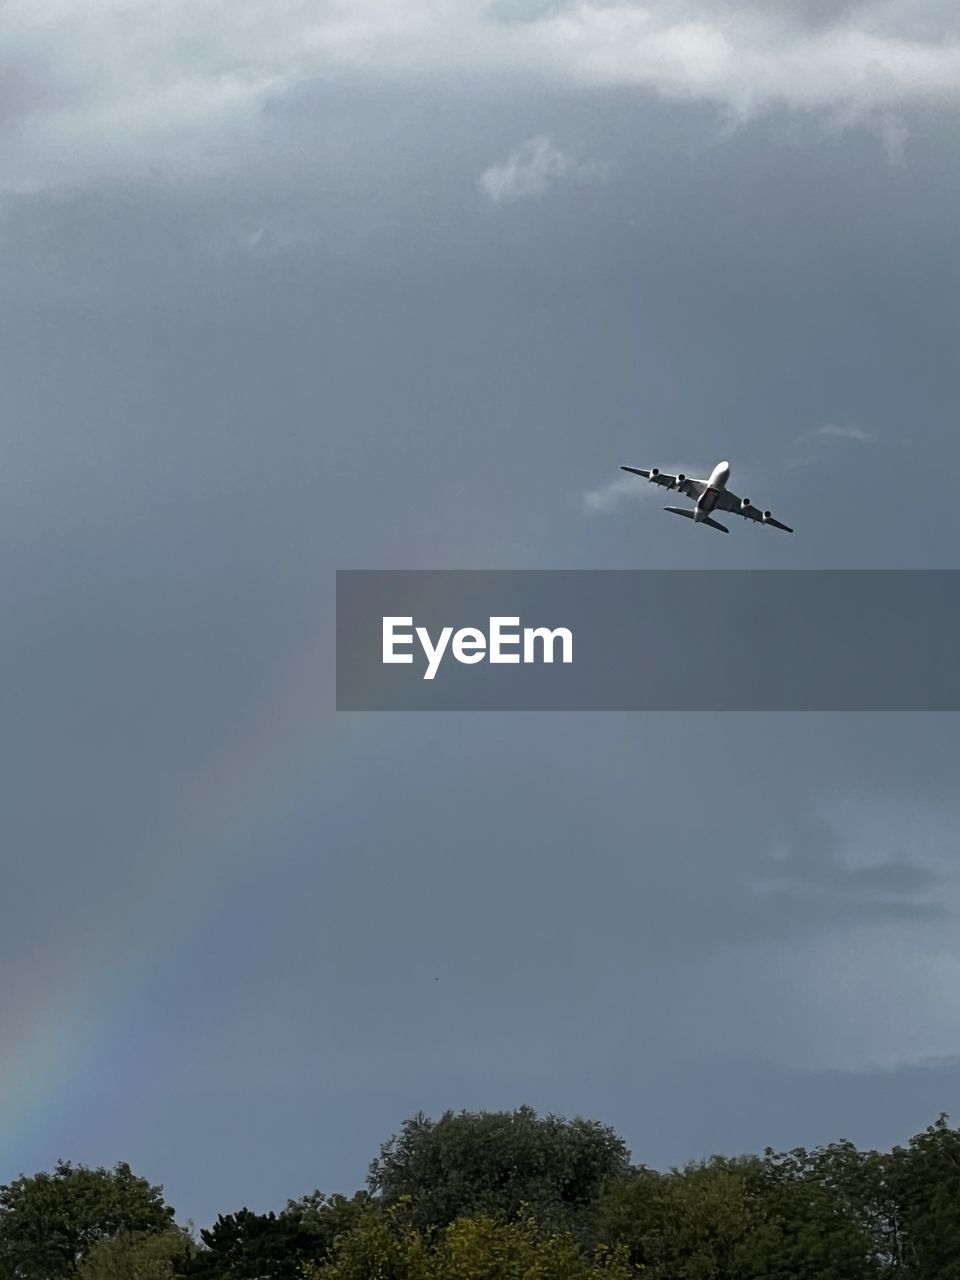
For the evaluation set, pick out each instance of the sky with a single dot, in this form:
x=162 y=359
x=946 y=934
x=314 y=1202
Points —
x=305 y=287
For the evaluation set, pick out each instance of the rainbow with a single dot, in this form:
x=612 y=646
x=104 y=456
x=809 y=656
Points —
x=236 y=808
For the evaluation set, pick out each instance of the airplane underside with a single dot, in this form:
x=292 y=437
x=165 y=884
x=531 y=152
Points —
x=692 y=515
x=709 y=496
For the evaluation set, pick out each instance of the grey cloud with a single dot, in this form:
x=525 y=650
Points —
x=183 y=99
x=811 y=857
x=527 y=10
x=809 y=13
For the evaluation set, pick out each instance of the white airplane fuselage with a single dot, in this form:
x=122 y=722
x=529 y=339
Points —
x=711 y=495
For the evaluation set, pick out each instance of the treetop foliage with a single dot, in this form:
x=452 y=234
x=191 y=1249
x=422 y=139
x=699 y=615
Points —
x=477 y=1163
x=51 y=1221
x=517 y=1196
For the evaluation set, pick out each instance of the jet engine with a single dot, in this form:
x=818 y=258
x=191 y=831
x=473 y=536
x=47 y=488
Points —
x=654 y=472
x=744 y=503
x=767 y=515
x=681 y=480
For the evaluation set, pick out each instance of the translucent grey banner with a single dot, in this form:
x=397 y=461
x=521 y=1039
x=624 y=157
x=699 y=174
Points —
x=648 y=640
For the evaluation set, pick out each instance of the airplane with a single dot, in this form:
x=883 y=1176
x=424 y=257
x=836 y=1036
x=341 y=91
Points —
x=710 y=495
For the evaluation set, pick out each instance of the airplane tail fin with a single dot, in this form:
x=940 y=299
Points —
x=685 y=511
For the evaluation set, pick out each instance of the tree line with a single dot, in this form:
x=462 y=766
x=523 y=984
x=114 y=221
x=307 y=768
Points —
x=518 y=1196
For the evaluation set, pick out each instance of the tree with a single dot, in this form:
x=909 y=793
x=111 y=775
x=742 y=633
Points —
x=493 y=1163
x=859 y=1185
x=377 y=1248
x=136 y=1256
x=698 y=1223
x=925 y=1182
x=272 y=1246
x=51 y=1221
x=486 y=1249
x=388 y=1247
x=822 y=1201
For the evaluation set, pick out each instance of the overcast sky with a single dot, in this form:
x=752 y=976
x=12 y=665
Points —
x=296 y=287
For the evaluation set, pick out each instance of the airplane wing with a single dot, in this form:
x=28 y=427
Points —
x=683 y=484
x=744 y=507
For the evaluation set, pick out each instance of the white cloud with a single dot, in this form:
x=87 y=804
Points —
x=610 y=497
x=264 y=240
x=894 y=135
x=839 y=432
x=109 y=89
x=805 y=444
x=530 y=170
